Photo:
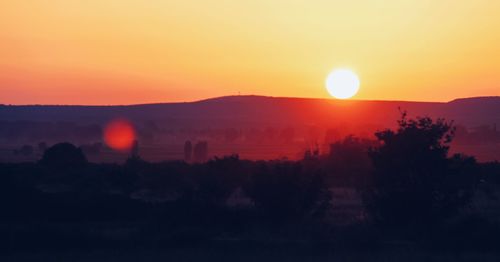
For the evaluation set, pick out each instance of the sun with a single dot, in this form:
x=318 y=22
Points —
x=342 y=83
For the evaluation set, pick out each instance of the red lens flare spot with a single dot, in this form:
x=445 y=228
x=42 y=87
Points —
x=119 y=135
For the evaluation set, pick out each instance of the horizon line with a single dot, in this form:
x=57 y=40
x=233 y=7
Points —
x=252 y=95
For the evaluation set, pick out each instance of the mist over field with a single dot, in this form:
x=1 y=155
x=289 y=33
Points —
x=252 y=126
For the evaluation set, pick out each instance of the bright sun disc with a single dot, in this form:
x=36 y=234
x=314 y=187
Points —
x=342 y=83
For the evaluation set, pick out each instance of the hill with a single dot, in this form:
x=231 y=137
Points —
x=255 y=127
x=259 y=110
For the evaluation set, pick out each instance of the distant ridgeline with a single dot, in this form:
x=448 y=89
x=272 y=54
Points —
x=251 y=110
x=244 y=124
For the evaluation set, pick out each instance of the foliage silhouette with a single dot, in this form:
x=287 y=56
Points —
x=63 y=156
x=408 y=180
x=414 y=182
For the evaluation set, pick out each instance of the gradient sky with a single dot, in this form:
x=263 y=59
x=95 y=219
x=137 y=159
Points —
x=141 y=51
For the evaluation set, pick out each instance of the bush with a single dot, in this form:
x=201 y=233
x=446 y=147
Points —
x=63 y=156
x=414 y=182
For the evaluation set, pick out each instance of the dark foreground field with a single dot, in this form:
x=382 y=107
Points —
x=402 y=197
x=242 y=252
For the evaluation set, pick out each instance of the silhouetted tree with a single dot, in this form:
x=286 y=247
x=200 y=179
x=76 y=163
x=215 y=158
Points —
x=63 y=156
x=134 y=152
x=188 y=151
x=414 y=182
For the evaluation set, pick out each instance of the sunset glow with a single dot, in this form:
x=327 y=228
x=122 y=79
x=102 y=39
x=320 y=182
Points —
x=129 y=52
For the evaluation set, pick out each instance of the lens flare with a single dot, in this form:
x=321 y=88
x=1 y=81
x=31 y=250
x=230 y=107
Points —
x=119 y=135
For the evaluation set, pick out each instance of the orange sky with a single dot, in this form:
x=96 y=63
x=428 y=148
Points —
x=135 y=51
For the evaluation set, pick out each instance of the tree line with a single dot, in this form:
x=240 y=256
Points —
x=409 y=186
